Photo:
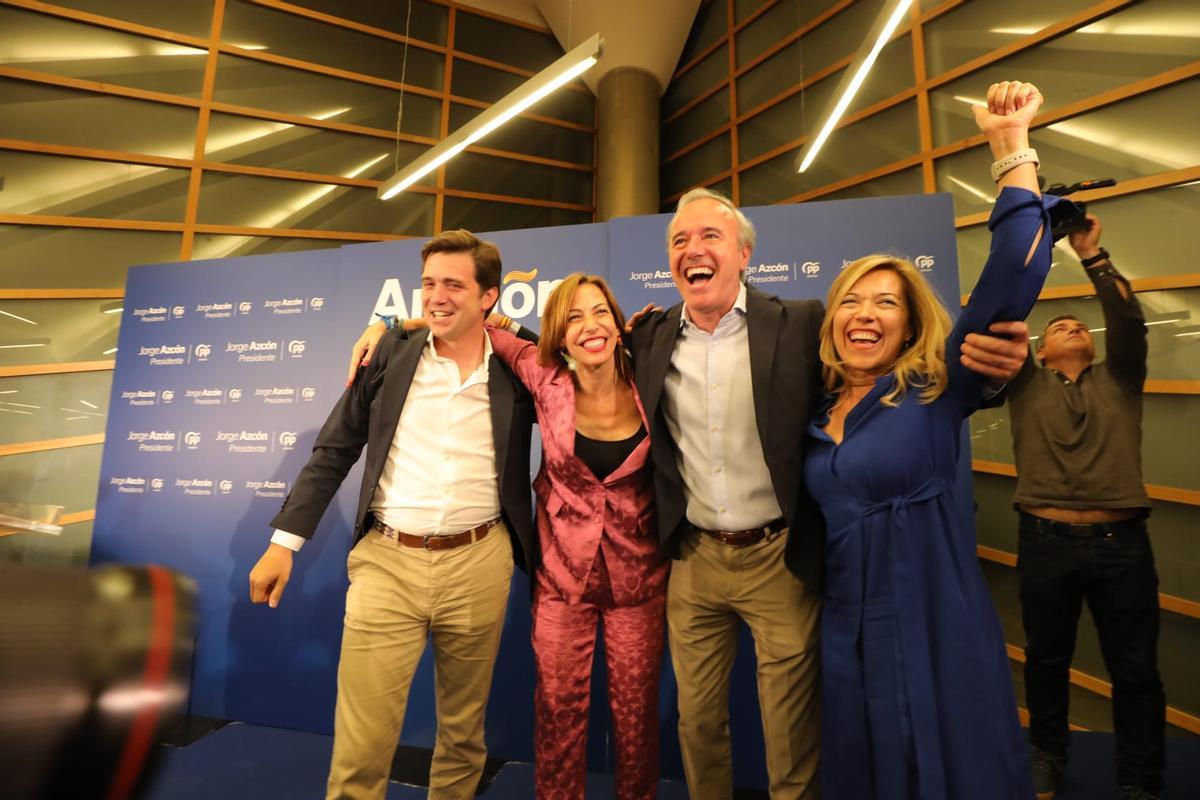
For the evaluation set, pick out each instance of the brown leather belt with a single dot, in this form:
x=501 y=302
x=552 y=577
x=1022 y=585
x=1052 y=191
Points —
x=745 y=538
x=436 y=541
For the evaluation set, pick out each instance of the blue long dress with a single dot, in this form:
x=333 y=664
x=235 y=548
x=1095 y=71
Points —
x=917 y=698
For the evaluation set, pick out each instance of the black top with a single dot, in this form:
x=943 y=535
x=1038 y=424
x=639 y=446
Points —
x=603 y=457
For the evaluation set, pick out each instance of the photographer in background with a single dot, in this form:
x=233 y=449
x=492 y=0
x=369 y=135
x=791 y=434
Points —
x=1077 y=438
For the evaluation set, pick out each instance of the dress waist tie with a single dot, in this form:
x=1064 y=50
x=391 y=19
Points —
x=916 y=669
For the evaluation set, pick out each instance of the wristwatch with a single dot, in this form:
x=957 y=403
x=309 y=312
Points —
x=1013 y=160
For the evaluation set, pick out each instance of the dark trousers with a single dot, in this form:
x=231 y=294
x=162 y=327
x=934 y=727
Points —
x=1112 y=567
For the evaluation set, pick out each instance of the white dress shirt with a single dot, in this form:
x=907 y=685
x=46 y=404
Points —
x=709 y=403
x=440 y=475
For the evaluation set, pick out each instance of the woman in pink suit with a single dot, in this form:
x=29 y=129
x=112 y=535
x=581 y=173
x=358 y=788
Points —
x=599 y=554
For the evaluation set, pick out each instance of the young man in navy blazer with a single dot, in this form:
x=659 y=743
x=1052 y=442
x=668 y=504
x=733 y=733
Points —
x=443 y=512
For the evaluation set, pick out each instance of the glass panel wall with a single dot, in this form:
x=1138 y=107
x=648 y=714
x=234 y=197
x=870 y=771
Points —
x=115 y=151
x=37 y=407
x=52 y=331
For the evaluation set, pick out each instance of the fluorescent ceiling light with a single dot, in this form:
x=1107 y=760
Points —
x=18 y=346
x=14 y=316
x=109 y=351
x=1162 y=147
x=1022 y=30
x=968 y=187
x=80 y=411
x=284 y=214
x=90 y=405
x=1176 y=28
x=565 y=69
x=881 y=30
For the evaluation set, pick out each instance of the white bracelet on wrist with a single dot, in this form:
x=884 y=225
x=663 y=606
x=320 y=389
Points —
x=1006 y=164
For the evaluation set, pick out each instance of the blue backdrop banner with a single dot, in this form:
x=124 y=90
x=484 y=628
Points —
x=226 y=370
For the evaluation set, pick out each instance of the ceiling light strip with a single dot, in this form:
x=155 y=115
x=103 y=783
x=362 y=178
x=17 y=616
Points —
x=565 y=69
x=852 y=80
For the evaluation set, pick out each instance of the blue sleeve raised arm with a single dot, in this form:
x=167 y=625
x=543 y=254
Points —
x=1009 y=285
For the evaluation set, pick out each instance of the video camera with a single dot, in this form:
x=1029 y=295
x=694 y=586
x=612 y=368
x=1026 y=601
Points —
x=95 y=667
x=1069 y=216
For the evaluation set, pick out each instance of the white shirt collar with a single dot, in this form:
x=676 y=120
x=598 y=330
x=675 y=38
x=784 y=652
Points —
x=482 y=369
x=738 y=305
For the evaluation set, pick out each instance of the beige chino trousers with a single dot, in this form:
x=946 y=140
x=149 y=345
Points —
x=712 y=586
x=398 y=597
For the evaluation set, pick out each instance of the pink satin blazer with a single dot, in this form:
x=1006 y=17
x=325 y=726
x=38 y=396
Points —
x=579 y=515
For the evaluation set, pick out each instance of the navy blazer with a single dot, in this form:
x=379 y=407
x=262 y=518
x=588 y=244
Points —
x=369 y=412
x=786 y=373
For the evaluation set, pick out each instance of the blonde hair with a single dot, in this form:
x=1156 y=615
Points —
x=554 y=323
x=921 y=362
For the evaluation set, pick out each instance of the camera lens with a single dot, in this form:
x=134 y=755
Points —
x=94 y=664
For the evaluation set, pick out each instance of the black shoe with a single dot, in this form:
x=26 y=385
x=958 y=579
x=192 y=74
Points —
x=1137 y=793
x=1047 y=769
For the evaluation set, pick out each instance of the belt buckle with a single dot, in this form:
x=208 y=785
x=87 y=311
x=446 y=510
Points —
x=425 y=542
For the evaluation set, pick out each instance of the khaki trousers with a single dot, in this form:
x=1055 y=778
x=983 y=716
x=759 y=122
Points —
x=398 y=597
x=713 y=586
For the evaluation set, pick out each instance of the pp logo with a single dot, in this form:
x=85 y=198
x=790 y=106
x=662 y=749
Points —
x=308 y=393
x=156 y=484
x=168 y=395
x=287 y=440
x=191 y=439
x=203 y=351
x=810 y=269
x=235 y=395
x=296 y=347
x=177 y=311
x=225 y=486
x=924 y=263
x=245 y=307
x=317 y=303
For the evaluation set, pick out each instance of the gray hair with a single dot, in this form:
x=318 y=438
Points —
x=746 y=234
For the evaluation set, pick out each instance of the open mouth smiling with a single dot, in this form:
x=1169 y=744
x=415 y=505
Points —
x=863 y=339
x=595 y=344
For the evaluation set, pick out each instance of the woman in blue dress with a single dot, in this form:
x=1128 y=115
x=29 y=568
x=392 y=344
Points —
x=916 y=691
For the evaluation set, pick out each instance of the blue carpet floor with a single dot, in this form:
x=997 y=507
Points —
x=240 y=762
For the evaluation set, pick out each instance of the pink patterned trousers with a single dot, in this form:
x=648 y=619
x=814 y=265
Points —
x=564 y=640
